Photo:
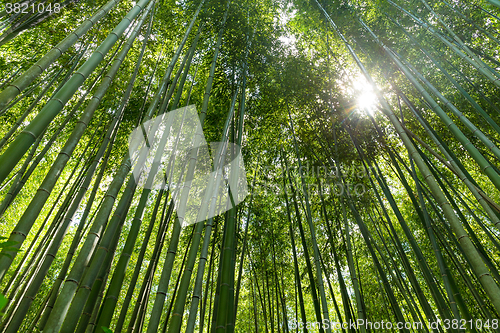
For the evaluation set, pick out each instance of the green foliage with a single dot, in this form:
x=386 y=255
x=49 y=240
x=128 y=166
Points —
x=3 y=302
x=369 y=211
x=6 y=245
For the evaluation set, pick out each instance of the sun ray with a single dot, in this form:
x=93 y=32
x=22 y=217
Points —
x=366 y=99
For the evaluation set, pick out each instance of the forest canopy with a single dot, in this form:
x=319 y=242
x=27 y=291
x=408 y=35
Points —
x=364 y=136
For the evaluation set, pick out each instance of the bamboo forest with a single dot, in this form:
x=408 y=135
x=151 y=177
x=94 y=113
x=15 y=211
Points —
x=350 y=177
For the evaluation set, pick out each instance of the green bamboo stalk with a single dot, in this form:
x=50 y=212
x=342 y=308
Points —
x=242 y=256
x=369 y=244
x=64 y=320
x=163 y=225
x=458 y=41
x=262 y=300
x=78 y=234
x=395 y=274
x=215 y=304
x=25 y=139
x=19 y=183
x=166 y=78
x=465 y=273
x=444 y=186
x=17 y=177
x=54 y=320
x=43 y=63
x=180 y=301
x=350 y=261
x=189 y=60
x=22 y=178
x=317 y=307
x=439 y=300
x=490 y=145
x=332 y=295
x=199 y=278
x=160 y=298
x=99 y=284
x=97 y=260
x=19 y=289
x=478 y=266
x=203 y=256
x=465 y=18
x=343 y=289
x=13 y=75
x=29 y=21
x=486 y=11
x=423 y=212
x=26 y=222
x=74 y=60
x=480 y=66
x=495 y=3
x=256 y=323
x=469 y=82
x=319 y=275
x=473 y=151
x=182 y=268
x=209 y=285
x=44 y=310
x=63 y=229
x=456 y=166
x=414 y=281
x=55 y=223
x=119 y=273
x=476 y=106
x=447 y=277
x=294 y=251
x=145 y=287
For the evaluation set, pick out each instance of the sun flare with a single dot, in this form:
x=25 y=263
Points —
x=366 y=99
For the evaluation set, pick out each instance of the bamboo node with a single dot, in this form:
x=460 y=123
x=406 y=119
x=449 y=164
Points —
x=30 y=133
x=12 y=85
x=19 y=233
x=58 y=100
x=97 y=51
x=43 y=190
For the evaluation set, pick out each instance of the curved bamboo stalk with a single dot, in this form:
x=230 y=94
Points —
x=34 y=71
x=22 y=178
x=486 y=202
x=470 y=57
x=25 y=139
x=26 y=222
x=319 y=275
x=486 y=167
x=476 y=261
x=180 y=301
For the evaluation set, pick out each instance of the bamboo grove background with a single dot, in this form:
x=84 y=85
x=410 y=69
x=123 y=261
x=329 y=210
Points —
x=390 y=213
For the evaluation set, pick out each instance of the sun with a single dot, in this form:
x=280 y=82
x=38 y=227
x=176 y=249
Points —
x=366 y=99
